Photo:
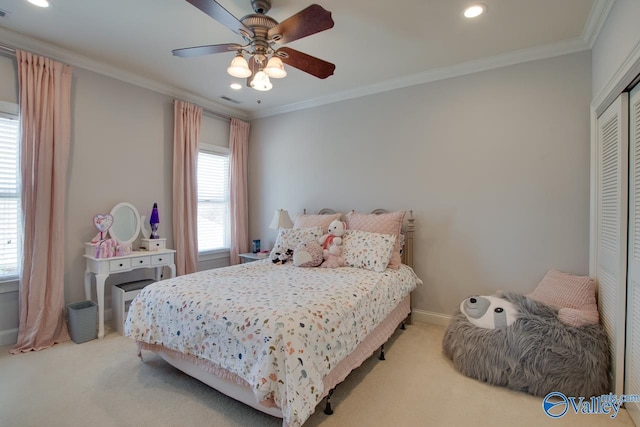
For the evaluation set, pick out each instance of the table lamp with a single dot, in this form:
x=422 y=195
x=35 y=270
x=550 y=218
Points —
x=281 y=220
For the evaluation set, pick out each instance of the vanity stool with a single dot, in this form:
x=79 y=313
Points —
x=122 y=295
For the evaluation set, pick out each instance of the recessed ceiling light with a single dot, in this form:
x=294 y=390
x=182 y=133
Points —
x=39 y=3
x=235 y=86
x=475 y=10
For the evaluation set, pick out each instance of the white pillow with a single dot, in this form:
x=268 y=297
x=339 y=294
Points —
x=289 y=238
x=364 y=249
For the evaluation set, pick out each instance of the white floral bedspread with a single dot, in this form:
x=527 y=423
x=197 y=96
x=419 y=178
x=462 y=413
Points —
x=281 y=328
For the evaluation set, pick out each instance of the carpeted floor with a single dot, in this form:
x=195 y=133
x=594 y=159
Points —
x=103 y=383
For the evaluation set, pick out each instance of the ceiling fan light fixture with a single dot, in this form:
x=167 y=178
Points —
x=275 y=68
x=261 y=82
x=239 y=67
x=261 y=33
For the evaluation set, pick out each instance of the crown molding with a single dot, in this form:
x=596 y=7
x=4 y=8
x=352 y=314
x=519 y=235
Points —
x=597 y=17
x=20 y=41
x=595 y=22
x=532 y=54
x=624 y=75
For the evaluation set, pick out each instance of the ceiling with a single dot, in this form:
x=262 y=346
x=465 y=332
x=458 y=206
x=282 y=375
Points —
x=376 y=45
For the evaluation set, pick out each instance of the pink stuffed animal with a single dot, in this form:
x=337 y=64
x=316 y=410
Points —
x=333 y=258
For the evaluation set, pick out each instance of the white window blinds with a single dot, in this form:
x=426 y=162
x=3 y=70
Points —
x=213 y=201
x=10 y=209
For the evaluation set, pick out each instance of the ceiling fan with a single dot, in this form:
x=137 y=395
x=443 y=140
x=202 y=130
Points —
x=262 y=35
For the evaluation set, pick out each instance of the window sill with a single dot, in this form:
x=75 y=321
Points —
x=9 y=286
x=211 y=255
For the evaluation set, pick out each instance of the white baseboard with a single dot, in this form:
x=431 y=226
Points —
x=8 y=337
x=430 y=317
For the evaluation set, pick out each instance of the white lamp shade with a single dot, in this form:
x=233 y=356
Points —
x=281 y=220
x=261 y=81
x=239 y=67
x=275 y=68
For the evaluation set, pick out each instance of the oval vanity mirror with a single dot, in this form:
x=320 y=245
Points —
x=126 y=223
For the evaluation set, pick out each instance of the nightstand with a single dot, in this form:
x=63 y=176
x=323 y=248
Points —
x=250 y=257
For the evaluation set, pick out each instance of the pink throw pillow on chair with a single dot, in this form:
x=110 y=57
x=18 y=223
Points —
x=573 y=296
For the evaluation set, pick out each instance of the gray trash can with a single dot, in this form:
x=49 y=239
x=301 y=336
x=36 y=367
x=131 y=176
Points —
x=83 y=320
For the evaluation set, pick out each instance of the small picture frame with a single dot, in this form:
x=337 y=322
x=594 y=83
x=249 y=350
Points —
x=255 y=246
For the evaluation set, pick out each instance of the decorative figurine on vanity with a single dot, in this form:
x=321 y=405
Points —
x=154 y=221
x=101 y=246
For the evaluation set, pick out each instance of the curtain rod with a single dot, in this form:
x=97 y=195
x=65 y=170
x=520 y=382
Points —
x=7 y=49
x=211 y=113
x=216 y=115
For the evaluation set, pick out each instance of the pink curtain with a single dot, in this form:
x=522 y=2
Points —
x=186 y=133
x=45 y=118
x=238 y=197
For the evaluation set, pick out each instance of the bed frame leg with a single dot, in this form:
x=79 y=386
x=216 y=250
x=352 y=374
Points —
x=403 y=325
x=381 y=353
x=327 y=409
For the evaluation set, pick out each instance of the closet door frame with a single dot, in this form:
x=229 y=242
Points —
x=632 y=351
x=611 y=170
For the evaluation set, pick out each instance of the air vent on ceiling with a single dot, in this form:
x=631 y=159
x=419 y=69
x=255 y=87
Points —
x=226 y=98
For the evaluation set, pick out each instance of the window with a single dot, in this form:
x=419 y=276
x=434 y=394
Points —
x=213 y=198
x=10 y=207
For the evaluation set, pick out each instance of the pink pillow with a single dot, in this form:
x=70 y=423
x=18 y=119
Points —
x=574 y=296
x=310 y=221
x=386 y=223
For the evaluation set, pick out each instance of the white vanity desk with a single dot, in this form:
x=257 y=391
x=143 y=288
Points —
x=103 y=267
x=125 y=228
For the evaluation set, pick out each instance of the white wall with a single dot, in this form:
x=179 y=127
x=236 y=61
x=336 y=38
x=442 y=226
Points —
x=495 y=166
x=121 y=151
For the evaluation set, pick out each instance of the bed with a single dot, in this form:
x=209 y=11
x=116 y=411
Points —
x=274 y=336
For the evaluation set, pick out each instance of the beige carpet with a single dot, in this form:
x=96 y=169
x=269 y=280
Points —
x=103 y=383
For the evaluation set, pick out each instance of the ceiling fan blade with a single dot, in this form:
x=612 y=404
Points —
x=187 y=52
x=223 y=16
x=308 y=21
x=307 y=63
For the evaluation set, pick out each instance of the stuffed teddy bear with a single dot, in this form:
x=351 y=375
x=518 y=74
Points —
x=307 y=254
x=282 y=257
x=333 y=259
x=333 y=239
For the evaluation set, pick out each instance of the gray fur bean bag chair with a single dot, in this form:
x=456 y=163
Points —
x=516 y=342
